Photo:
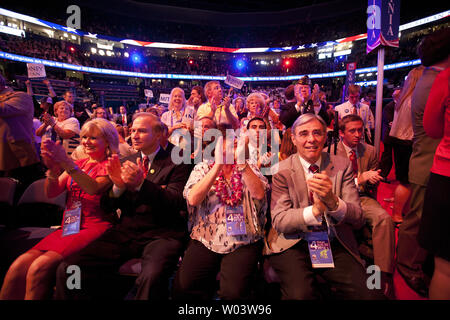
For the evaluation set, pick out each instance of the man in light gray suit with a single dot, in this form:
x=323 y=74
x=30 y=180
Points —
x=304 y=202
x=367 y=176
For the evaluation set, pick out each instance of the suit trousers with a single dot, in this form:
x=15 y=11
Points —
x=196 y=276
x=99 y=263
x=383 y=233
x=410 y=256
x=299 y=280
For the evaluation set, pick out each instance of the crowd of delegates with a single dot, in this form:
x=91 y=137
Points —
x=255 y=183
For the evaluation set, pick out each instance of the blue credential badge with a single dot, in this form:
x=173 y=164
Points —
x=72 y=220
x=319 y=250
x=235 y=221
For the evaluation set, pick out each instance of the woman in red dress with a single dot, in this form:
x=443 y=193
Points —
x=31 y=275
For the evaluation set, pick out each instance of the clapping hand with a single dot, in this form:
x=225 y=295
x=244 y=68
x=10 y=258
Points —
x=319 y=207
x=114 y=170
x=133 y=174
x=371 y=176
x=298 y=95
x=47 y=156
x=56 y=152
x=315 y=94
x=321 y=185
x=242 y=151
x=219 y=157
x=48 y=119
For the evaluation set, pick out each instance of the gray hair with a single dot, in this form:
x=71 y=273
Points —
x=107 y=130
x=308 y=117
x=61 y=104
x=258 y=97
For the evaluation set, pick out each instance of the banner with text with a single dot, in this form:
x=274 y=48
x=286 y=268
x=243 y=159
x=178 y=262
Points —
x=351 y=74
x=383 y=23
x=36 y=71
x=234 y=82
x=164 y=98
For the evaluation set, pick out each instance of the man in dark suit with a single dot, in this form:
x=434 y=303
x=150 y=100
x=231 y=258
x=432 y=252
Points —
x=305 y=204
x=305 y=103
x=367 y=175
x=148 y=194
x=123 y=118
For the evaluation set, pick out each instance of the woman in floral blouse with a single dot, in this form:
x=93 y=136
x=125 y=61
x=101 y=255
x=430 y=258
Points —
x=227 y=206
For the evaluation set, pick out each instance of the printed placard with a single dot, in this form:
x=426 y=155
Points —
x=148 y=93
x=36 y=70
x=164 y=98
x=234 y=82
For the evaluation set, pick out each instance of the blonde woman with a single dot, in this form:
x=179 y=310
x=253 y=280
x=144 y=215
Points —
x=32 y=274
x=180 y=116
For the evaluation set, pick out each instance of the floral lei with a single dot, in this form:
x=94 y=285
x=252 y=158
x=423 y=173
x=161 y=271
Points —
x=226 y=196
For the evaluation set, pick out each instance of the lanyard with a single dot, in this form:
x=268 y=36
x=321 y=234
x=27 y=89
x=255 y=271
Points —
x=177 y=121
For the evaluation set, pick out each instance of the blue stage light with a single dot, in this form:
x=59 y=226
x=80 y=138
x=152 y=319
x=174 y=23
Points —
x=136 y=58
x=240 y=64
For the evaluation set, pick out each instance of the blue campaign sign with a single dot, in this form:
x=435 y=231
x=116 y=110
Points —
x=351 y=74
x=390 y=22
x=383 y=20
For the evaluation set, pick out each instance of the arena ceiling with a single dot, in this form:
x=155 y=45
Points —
x=235 y=13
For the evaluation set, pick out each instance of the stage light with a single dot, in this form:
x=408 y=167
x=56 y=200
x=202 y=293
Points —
x=101 y=52
x=287 y=63
x=240 y=64
x=126 y=55
x=72 y=49
x=136 y=58
x=94 y=50
x=191 y=61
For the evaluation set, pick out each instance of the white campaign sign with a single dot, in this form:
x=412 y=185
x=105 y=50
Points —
x=36 y=70
x=164 y=98
x=148 y=93
x=234 y=82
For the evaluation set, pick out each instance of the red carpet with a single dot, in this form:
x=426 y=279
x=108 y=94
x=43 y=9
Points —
x=385 y=190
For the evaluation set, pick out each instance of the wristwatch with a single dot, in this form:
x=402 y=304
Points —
x=336 y=205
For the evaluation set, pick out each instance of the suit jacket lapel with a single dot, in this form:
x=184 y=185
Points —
x=341 y=150
x=298 y=177
x=156 y=165
x=327 y=166
x=362 y=158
